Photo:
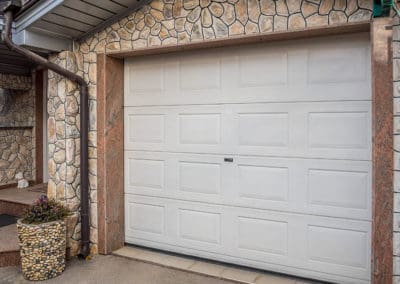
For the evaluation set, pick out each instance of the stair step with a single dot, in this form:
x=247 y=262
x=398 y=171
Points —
x=9 y=248
x=10 y=258
x=12 y=208
x=14 y=201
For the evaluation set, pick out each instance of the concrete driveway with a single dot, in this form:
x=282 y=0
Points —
x=112 y=269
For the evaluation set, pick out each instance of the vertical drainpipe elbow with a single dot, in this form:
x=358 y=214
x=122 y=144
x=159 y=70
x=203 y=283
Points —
x=84 y=121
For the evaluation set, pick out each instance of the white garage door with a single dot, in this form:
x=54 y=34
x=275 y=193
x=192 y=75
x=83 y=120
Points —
x=257 y=155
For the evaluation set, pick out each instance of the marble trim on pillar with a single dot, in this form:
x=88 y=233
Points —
x=382 y=151
x=110 y=149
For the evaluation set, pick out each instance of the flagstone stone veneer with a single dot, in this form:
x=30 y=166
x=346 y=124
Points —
x=15 y=82
x=17 y=122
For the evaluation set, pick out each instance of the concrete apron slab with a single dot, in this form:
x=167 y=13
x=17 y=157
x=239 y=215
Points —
x=206 y=268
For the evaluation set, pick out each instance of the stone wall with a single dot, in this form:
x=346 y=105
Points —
x=21 y=112
x=182 y=21
x=162 y=23
x=17 y=123
x=64 y=147
x=16 y=148
x=15 y=82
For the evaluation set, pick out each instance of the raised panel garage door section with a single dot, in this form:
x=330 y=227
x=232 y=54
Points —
x=255 y=155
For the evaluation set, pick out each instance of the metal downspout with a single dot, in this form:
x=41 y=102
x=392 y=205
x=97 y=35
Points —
x=84 y=120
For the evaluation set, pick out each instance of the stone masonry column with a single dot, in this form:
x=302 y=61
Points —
x=64 y=141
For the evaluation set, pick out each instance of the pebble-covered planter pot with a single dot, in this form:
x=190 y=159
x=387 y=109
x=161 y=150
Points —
x=42 y=249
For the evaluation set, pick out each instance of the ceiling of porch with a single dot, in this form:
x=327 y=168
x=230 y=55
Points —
x=76 y=19
x=63 y=21
x=52 y=25
x=13 y=63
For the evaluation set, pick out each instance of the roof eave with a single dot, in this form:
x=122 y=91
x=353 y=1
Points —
x=27 y=32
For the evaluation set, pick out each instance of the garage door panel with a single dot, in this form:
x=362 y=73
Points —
x=199 y=177
x=299 y=93
x=267 y=236
x=146 y=79
x=255 y=62
x=147 y=218
x=199 y=74
x=146 y=130
x=301 y=71
x=336 y=246
x=208 y=226
x=338 y=188
x=320 y=187
x=263 y=182
x=264 y=129
x=171 y=129
x=146 y=174
x=338 y=64
x=345 y=131
x=309 y=186
x=324 y=242
x=313 y=130
x=185 y=176
x=344 y=248
x=207 y=126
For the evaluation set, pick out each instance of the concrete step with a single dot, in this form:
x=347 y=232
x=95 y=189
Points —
x=228 y=272
x=14 y=201
x=12 y=208
x=9 y=248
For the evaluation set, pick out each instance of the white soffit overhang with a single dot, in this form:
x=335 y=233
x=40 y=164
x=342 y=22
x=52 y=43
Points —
x=53 y=25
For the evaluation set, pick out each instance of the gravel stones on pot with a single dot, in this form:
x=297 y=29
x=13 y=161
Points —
x=42 y=249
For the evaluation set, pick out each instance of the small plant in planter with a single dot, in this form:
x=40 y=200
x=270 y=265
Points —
x=42 y=239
